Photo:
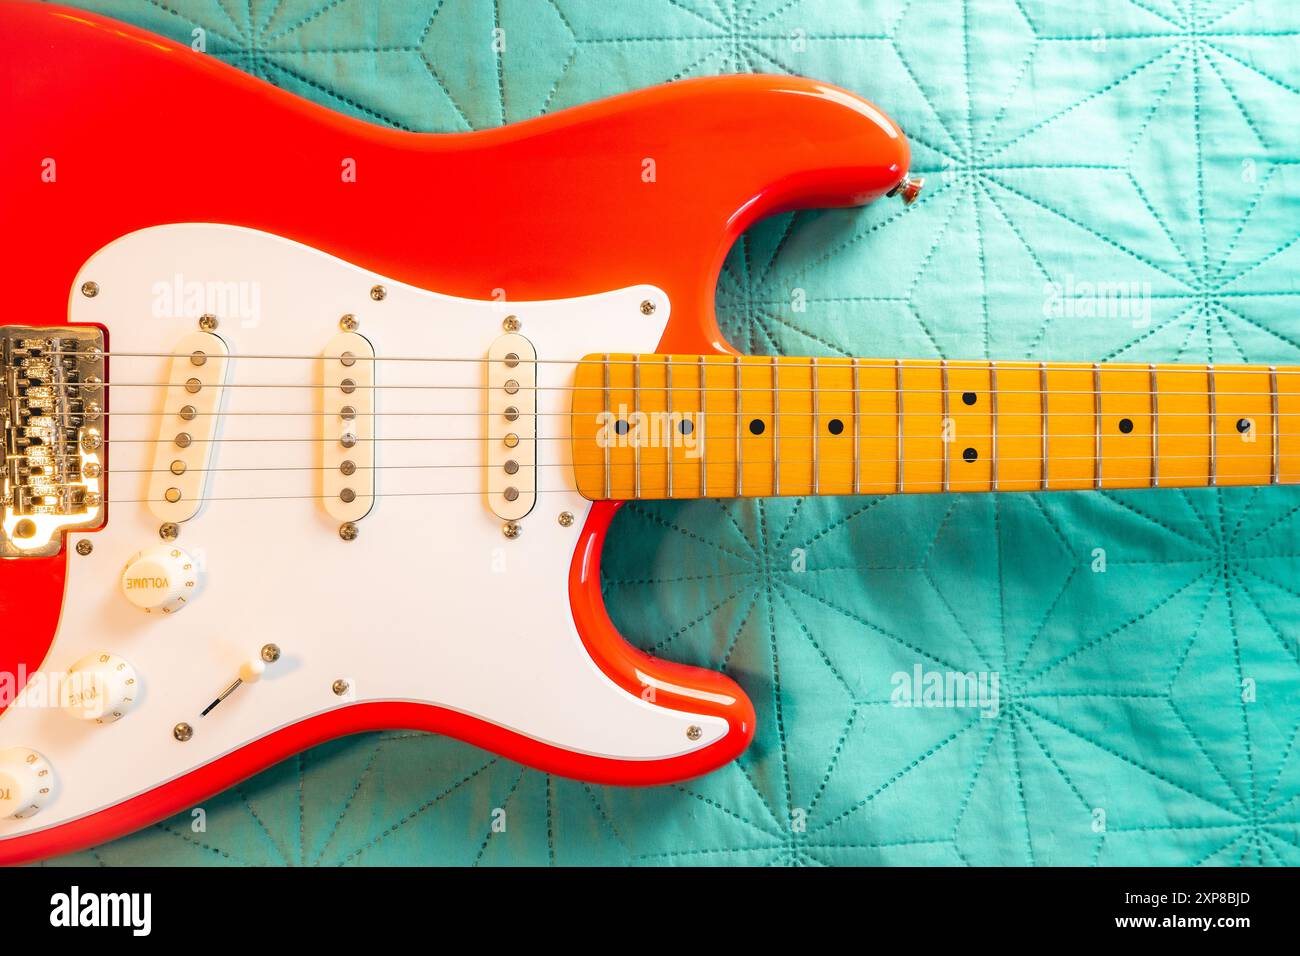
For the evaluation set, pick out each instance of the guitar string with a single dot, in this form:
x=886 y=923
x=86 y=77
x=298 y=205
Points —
x=726 y=435
x=648 y=360
x=756 y=388
x=479 y=413
x=889 y=483
x=679 y=462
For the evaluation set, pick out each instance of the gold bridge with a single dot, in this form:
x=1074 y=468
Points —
x=51 y=414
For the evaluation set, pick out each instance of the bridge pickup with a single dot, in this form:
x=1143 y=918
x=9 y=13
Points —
x=511 y=427
x=51 y=436
x=187 y=429
x=347 y=417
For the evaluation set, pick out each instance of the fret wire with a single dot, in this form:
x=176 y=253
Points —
x=1272 y=385
x=776 y=428
x=1155 y=429
x=1096 y=411
x=898 y=407
x=1214 y=426
x=857 y=441
x=816 y=427
x=608 y=476
x=993 y=397
x=668 y=399
x=636 y=418
x=947 y=424
x=740 y=467
x=704 y=429
x=1042 y=407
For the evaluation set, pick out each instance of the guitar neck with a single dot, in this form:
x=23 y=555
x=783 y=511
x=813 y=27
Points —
x=718 y=426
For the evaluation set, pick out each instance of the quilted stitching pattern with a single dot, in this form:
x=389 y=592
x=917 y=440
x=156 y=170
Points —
x=1147 y=713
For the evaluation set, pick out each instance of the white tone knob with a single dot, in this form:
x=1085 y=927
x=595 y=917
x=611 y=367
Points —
x=160 y=579
x=100 y=687
x=251 y=671
x=26 y=782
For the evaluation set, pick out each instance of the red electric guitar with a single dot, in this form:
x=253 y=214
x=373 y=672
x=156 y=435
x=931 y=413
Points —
x=313 y=427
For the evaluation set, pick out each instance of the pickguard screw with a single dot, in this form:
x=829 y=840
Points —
x=566 y=518
x=511 y=323
x=84 y=548
x=348 y=531
x=378 y=293
x=511 y=529
x=90 y=289
x=25 y=529
x=340 y=687
x=182 y=732
x=348 y=323
x=270 y=653
x=647 y=307
x=91 y=469
x=208 y=323
x=693 y=732
x=170 y=531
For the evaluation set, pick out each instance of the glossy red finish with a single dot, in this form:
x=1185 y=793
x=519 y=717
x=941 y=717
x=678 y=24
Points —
x=144 y=131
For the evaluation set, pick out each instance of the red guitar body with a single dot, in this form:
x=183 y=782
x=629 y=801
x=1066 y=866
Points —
x=651 y=187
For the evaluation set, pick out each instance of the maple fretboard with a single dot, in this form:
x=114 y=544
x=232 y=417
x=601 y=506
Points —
x=689 y=426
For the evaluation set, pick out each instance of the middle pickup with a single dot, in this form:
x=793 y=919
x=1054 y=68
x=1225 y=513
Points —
x=347 y=415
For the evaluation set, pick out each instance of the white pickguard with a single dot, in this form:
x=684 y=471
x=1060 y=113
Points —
x=431 y=603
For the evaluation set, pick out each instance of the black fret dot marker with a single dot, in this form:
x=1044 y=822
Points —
x=968 y=398
x=756 y=426
x=686 y=426
x=970 y=454
x=1126 y=425
x=1244 y=425
x=835 y=426
x=621 y=427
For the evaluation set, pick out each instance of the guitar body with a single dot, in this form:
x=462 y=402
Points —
x=140 y=165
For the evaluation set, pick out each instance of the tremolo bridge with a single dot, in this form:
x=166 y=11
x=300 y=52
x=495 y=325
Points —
x=51 y=414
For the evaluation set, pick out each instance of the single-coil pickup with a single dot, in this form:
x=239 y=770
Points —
x=511 y=427
x=188 y=426
x=348 y=427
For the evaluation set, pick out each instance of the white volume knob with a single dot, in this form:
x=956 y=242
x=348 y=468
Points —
x=160 y=579
x=100 y=687
x=26 y=782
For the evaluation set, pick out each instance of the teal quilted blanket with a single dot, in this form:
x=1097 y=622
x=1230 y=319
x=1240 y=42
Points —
x=1114 y=180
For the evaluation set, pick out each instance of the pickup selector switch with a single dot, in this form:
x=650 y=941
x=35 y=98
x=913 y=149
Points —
x=161 y=579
